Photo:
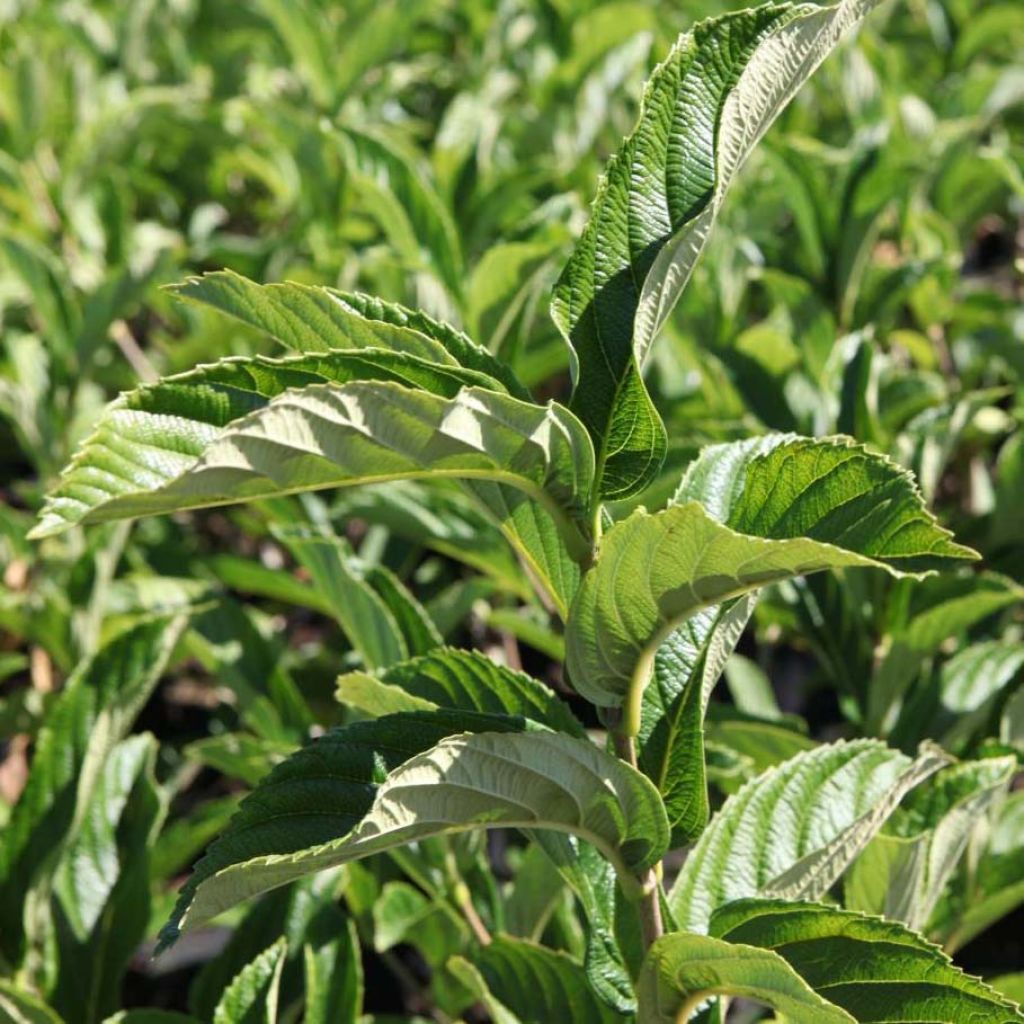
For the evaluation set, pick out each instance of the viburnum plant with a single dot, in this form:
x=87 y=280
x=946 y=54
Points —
x=652 y=605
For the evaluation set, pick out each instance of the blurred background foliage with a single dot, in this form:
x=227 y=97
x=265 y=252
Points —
x=864 y=278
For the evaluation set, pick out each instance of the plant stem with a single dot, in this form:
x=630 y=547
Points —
x=464 y=899
x=649 y=904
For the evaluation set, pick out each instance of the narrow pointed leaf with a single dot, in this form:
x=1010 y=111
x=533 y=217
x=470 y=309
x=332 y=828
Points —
x=704 y=109
x=769 y=510
x=683 y=971
x=671 y=738
x=95 y=710
x=794 y=829
x=877 y=971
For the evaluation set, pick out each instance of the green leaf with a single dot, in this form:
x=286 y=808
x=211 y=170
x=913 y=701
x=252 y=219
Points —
x=252 y=997
x=141 y=463
x=404 y=914
x=592 y=879
x=769 y=510
x=333 y=971
x=793 y=830
x=904 y=869
x=310 y=801
x=671 y=738
x=340 y=576
x=101 y=889
x=21 y=1007
x=994 y=885
x=94 y=712
x=704 y=109
x=527 y=780
x=972 y=684
x=451 y=678
x=311 y=319
x=876 y=970
x=538 y=984
x=683 y=971
x=395 y=186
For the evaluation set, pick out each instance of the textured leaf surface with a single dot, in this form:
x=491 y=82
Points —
x=94 y=711
x=769 y=510
x=451 y=678
x=702 y=112
x=539 y=984
x=140 y=462
x=794 y=829
x=876 y=970
x=317 y=795
x=683 y=971
x=310 y=319
x=542 y=780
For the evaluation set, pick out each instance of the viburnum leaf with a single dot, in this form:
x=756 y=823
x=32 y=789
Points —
x=795 y=828
x=703 y=110
x=877 y=971
x=311 y=319
x=769 y=510
x=480 y=780
x=682 y=971
x=451 y=678
x=539 y=984
x=196 y=449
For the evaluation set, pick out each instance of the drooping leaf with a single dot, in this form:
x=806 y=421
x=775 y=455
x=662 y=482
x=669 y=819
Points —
x=539 y=984
x=903 y=871
x=482 y=780
x=451 y=678
x=793 y=830
x=312 y=799
x=94 y=712
x=684 y=971
x=671 y=738
x=768 y=510
x=877 y=971
x=252 y=997
x=142 y=463
x=704 y=109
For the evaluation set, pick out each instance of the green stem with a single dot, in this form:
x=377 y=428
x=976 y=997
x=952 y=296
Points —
x=648 y=899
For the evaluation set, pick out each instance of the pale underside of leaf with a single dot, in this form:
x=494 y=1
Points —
x=137 y=463
x=527 y=780
x=794 y=829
